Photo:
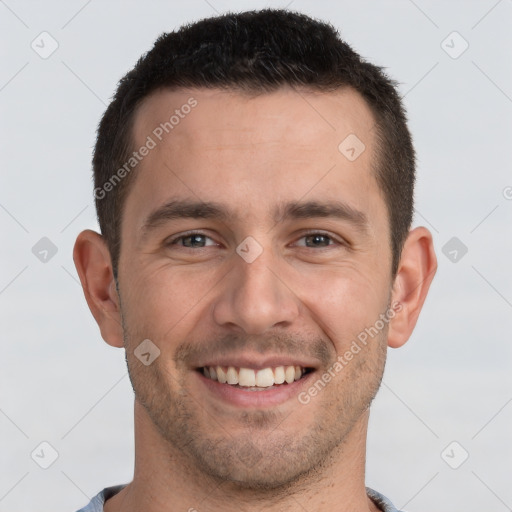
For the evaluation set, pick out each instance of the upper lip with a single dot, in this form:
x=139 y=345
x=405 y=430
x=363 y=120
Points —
x=258 y=363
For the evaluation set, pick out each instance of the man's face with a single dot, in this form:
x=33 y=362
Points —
x=297 y=292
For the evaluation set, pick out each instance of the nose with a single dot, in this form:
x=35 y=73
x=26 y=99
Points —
x=256 y=297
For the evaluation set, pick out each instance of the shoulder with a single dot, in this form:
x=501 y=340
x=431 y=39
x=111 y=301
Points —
x=96 y=504
x=381 y=501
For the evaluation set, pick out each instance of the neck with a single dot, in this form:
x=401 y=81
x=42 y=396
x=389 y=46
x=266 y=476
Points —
x=165 y=481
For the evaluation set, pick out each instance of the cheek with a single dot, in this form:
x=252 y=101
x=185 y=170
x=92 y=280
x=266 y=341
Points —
x=163 y=299
x=166 y=302
x=344 y=302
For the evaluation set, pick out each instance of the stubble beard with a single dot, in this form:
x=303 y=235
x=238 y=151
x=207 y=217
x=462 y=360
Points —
x=260 y=456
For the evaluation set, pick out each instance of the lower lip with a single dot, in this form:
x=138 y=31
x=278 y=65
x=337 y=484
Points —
x=244 y=398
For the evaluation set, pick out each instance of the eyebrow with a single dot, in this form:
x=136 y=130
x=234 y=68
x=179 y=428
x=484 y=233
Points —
x=193 y=209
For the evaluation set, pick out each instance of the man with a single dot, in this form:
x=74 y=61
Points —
x=254 y=188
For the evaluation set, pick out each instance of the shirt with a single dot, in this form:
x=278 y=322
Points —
x=96 y=504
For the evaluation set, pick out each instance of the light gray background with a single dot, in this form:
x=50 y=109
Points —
x=60 y=383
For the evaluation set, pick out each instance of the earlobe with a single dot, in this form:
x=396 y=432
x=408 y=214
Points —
x=94 y=267
x=416 y=270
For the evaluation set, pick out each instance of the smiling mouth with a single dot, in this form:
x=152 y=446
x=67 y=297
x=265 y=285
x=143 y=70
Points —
x=255 y=380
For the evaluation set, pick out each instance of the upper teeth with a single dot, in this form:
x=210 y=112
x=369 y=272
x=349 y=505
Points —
x=249 y=378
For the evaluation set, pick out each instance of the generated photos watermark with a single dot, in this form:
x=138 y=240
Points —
x=344 y=359
x=152 y=141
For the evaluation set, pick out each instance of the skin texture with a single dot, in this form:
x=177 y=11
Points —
x=300 y=298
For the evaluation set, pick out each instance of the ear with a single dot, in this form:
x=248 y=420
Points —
x=94 y=266
x=417 y=267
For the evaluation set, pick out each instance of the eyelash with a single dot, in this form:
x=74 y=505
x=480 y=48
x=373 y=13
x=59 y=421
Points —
x=174 y=241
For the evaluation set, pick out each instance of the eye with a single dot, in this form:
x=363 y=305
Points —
x=191 y=240
x=318 y=240
x=198 y=240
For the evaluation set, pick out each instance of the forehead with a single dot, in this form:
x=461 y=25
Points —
x=310 y=119
x=254 y=151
